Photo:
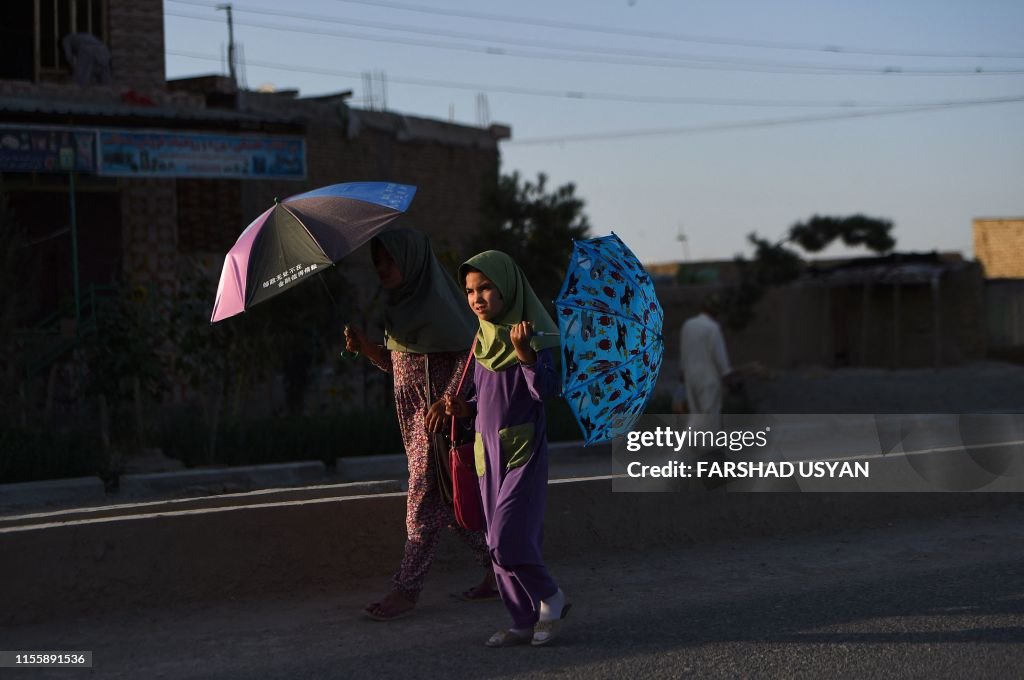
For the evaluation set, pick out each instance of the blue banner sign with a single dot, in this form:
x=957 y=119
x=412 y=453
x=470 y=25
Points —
x=128 y=153
x=45 y=149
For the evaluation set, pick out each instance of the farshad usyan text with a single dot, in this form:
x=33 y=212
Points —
x=746 y=468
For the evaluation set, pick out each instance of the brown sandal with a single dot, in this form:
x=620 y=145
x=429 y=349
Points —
x=480 y=593
x=386 y=609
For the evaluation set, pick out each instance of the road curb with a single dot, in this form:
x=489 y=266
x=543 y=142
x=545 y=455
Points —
x=229 y=500
x=367 y=468
x=65 y=491
x=222 y=479
x=138 y=487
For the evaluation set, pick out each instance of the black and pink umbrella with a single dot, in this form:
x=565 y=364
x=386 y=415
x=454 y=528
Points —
x=301 y=236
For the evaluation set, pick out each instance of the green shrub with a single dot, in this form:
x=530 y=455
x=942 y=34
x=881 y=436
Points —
x=33 y=455
x=283 y=439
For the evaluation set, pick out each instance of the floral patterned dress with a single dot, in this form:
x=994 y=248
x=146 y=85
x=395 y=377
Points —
x=426 y=512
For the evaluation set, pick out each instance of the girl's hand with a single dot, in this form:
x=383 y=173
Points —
x=434 y=418
x=356 y=342
x=456 y=406
x=355 y=339
x=521 y=334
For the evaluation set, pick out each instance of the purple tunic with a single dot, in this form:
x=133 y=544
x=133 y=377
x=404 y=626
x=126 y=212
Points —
x=512 y=459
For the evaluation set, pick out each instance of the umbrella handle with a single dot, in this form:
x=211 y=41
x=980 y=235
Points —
x=345 y=354
x=535 y=334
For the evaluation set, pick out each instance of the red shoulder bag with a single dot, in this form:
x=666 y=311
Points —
x=469 y=508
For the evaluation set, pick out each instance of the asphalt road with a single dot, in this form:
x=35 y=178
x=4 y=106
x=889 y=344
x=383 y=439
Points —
x=929 y=599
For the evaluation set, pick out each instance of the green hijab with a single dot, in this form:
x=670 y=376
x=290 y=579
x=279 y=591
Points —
x=494 y=348
x=428 y=311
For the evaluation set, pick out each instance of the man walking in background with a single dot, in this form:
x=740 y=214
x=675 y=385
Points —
x=704 y=364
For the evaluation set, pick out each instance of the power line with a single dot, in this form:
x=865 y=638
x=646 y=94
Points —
x=476 y=36
x=703 y=63
x=890 y=108
x=681 y=37
x=573 y=94
x=746 y=125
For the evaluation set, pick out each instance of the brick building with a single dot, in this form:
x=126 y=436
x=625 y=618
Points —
x=904 y=310
x=999 y=246
x=158 y=169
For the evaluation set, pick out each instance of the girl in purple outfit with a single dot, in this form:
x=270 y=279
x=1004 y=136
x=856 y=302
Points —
x=514 y=373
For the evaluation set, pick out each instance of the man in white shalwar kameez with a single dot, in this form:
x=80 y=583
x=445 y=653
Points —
x=704 y=363
x=89 y=58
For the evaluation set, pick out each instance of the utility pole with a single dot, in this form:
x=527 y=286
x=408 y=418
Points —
x=231 y=44
x=681 y=237
x=68 y=161
x=483 y=111
x=375 y=90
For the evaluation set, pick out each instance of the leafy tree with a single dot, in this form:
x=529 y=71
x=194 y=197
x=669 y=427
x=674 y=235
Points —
x=123 y=359
x=778 y=263
x=125 y=346
x=16 y=280
x=534 y=227
x=13 y=269
x=857 y=230
x=287 y=334
x=212 y=358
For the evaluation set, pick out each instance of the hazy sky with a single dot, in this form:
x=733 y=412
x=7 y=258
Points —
x=693 y=116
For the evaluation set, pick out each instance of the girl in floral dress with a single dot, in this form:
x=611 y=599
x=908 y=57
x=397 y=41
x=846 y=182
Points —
x=426 y=324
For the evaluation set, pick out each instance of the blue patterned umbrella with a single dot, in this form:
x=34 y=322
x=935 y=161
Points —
x=610 y=322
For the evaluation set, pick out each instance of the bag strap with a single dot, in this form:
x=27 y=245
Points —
x=458 y=390
x=426 y=375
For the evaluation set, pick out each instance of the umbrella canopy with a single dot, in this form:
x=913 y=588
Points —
x=611 y=337
x=301 y=236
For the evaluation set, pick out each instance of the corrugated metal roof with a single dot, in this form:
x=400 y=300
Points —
x=412 y=128
x=33 y=105
x=903 y=268
x=901 y=273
